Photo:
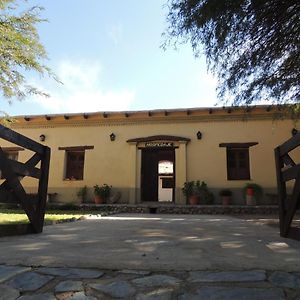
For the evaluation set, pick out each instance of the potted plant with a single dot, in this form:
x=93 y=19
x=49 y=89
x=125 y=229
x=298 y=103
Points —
x=206 y=196
x=101 y=193
x=190 y=192
x=225 y=196
x=194 y=191
x=81 y=194
x=252 y=192
x=187 y=191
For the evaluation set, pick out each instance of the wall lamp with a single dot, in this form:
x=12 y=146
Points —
x=42 y=137
x=112 y=137
x=199 y=135
x=294 y=131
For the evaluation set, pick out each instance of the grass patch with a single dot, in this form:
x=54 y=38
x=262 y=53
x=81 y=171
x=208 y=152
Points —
x=16 y=216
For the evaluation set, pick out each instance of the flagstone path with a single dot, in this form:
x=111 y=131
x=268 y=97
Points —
x=152 y=257
x=46 y=283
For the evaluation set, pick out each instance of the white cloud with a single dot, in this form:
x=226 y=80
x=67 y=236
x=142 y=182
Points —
x=82 y=90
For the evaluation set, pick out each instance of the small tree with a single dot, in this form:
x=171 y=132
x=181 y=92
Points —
x=20 y=50
x=251 y=45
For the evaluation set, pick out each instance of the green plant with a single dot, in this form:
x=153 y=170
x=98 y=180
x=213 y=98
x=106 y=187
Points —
x=82 y=192
x=187 y=189
x=193 y=188
x=198 y=188
x=208 y=197
x=225 y=193
x=102 y=191
x=257 y=189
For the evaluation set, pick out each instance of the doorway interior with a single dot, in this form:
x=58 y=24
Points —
x=158 y=174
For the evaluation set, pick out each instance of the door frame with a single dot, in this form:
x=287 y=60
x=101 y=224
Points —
x=142 y=181
x=135 y=164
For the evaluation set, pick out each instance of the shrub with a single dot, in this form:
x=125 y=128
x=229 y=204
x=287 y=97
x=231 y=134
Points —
x=102 y=191
x=225 y=193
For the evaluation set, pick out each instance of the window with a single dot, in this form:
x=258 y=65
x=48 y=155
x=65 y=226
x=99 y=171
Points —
x=74 y=165
x=12 y=155
x=165 y=167
x=238 y=164
x=74 y=159
x=167 y=183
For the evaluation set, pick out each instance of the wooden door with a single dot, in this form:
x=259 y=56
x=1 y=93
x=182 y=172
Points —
x=149 y=175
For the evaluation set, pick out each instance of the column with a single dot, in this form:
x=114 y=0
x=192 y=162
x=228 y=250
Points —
x=180 y=172
x=132 y=177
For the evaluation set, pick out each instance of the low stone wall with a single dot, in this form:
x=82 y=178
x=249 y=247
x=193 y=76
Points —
x=181 y=209
x=219 y=209
x=162 y=209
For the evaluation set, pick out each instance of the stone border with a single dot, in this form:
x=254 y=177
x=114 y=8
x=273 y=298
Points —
x=181 y=209
x=160 y=208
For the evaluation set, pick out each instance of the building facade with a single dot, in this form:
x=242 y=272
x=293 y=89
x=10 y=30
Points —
x=148 y=155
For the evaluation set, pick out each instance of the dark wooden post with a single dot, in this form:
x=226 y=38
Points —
x=281 y=187
x=43 y=188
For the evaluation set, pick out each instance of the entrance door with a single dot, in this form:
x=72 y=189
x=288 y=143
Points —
x=150 y=172
x=149 y=176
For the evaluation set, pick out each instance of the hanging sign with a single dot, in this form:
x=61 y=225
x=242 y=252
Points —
x=159 y=144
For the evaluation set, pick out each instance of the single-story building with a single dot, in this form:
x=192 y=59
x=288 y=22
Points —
x=148 y=155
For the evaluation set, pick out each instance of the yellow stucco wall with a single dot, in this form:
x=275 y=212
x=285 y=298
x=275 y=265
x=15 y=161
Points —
x=118 y=163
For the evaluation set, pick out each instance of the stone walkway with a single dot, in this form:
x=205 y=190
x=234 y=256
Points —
x=46 y=283
x=156 y=243
x=146 y=257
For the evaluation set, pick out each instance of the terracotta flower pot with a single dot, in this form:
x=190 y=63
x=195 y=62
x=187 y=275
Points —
x=250 y=192
x=226 y=200
x=250 y=199
x=194 y=200
x=99 y=200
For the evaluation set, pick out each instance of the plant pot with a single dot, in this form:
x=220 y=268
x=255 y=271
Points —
x=226 y=200
x=250 y=200
x=250 y=192
x=99 y=200
x=194 y=200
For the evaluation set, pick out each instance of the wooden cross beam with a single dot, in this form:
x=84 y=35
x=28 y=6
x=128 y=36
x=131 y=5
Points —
x=13 y=172
x=286 y=170
x=14 y=183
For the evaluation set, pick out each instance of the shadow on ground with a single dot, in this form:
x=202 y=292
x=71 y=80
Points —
x=158 y=242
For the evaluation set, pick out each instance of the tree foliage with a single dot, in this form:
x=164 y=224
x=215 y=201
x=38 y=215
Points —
x=253 y=46
x=20 y=49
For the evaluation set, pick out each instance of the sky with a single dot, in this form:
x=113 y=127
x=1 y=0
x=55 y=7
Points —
x=108 y=56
